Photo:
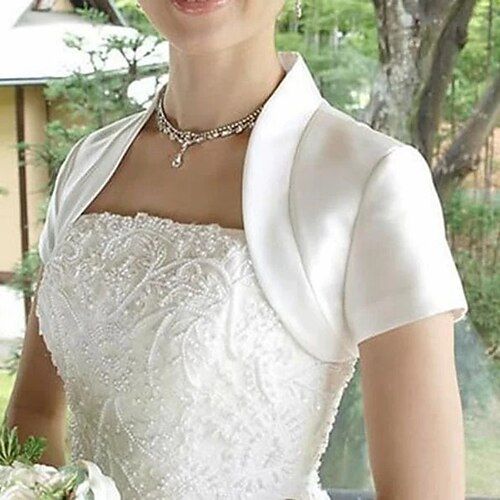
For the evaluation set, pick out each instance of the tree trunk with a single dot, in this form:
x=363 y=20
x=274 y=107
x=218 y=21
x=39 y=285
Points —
x=419 y=41
x=461 y=157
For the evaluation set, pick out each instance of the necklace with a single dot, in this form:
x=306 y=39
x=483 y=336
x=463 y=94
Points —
x=187 y=138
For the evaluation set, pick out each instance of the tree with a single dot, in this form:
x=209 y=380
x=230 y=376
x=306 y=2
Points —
x=419 y=43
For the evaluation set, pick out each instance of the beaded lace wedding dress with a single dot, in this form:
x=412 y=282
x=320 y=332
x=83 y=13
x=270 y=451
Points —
x=182 y=383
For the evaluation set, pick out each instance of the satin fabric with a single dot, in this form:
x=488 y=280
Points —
x=344 y=225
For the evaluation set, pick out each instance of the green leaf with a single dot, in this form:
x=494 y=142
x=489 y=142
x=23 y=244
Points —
x=11 y=449
x=33 y=448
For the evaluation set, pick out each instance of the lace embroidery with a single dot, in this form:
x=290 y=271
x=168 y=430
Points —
x=181 y=380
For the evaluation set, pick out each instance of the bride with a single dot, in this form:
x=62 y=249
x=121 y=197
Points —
x=201 y=304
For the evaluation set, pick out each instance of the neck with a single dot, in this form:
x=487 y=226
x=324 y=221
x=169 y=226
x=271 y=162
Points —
x=210 y=89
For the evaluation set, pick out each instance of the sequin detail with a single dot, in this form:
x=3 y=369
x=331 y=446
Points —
x=182 y=382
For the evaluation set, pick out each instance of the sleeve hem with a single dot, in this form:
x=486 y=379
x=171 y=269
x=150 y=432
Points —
x=403 y=308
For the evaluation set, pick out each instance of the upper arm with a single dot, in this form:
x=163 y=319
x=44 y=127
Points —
x=412 y=411
x=403 y=294
x=38 y=389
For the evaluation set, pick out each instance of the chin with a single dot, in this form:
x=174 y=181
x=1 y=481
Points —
x=200 y=26
x=197 y=26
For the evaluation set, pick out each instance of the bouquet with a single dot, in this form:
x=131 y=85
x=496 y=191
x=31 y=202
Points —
x=21 y=478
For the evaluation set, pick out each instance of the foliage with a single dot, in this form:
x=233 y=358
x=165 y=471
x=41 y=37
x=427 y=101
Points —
x=474 y=229
x=480 y=58
x=101 y=97
x=58 y=140
x=476 y=63
x=136 y=17
x=11 y=449
x=339 y=41
x=11 y=363
x=95 y=16
x=25 y=271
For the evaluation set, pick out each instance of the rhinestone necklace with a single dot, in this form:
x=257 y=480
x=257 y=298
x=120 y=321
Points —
x=187 y=138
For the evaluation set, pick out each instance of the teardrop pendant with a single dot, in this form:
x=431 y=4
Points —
x=177 y=161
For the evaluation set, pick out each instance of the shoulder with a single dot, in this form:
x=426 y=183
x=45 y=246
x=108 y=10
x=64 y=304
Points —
x=100 y=137
x=351 y=138
x=69 y=187
x=347 y=173
x=90 y=148
x=347 y=149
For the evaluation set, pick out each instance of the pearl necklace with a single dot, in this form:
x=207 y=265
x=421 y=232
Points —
x=187 y=138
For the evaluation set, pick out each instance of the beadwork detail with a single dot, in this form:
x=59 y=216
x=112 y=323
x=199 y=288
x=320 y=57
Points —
x=181 y=380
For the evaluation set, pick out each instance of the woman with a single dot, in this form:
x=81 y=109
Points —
x=202 y=304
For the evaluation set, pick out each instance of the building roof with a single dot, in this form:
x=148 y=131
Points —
x=11 y=12
x=33 y=50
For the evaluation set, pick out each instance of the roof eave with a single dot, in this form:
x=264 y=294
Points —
x=42 y=80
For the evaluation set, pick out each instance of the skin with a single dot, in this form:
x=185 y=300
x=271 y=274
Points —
x=412 y=411
x=223 y=66
x=37 y=403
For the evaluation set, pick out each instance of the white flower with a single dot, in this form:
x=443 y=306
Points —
x=19 y=480
x=18 y=492
x=44 y=472
x=57 y=481
x=22 y=474
x=103 y=487
x=5 y=471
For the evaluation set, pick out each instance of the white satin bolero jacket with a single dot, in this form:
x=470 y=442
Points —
x=343 y=223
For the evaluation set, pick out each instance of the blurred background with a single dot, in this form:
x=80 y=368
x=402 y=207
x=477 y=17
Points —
x=424 y=72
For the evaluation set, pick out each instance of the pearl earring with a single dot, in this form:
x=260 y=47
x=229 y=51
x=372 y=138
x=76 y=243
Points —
x=298 y=9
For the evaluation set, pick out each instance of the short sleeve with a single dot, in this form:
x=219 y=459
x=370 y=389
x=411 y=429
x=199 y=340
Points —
x=400 y=267
x=46 y=240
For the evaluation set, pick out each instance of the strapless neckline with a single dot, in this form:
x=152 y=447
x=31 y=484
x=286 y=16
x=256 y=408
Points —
x=167 y=220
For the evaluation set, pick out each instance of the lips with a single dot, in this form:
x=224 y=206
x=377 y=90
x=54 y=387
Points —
x=198 y=6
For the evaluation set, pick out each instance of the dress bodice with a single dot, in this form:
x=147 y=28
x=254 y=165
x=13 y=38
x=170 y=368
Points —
x=182 y=382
